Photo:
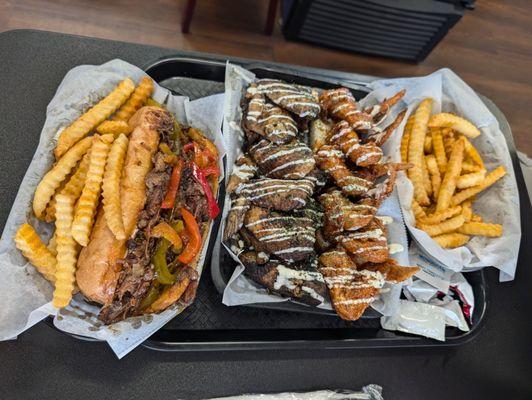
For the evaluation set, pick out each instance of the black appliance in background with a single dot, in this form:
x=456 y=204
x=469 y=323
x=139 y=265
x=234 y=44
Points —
x=403 y=29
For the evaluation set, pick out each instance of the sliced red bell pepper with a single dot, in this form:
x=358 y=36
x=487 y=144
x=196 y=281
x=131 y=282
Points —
x=173 y=186
x=212 y=205
x=212 y=170
x=194 y=237
x=189 y=146
x=203 y=157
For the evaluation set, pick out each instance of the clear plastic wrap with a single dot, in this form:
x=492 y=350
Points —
x=369 y=392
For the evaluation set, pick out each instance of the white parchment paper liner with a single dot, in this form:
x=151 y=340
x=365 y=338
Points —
x=498 y=204
x=25 y=296
x=240 y=290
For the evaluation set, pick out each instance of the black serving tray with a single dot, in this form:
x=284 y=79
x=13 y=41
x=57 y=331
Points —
x=208 y=324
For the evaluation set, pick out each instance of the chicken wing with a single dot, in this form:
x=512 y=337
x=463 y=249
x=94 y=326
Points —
x=341 y=105
x=348 y=141
x=289 y=238
x=302 y=283
x=293 y=160
x=243 y=170
x=351 y=290
x=277 y=194
x=345 y=215
x=368 y=244
x=293 y=98
x=392 y=271
x=331 y=160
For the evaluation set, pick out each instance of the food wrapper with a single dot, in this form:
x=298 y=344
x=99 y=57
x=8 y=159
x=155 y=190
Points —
x=417 y=318
x=24 y=294
x=240 y=290
x=498 y=204
x=423 y=299
x=368 y=392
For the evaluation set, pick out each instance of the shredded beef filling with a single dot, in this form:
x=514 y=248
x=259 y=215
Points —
x=191 y=194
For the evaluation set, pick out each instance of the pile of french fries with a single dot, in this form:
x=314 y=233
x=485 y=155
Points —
x=89 y=156
x=447 y=173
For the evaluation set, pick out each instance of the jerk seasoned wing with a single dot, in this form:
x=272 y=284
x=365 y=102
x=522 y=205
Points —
x=277 y=125
x=277 y=194
x=351 y=290
x=296 y=99
x=293 y=160
x=287 y=237
x=268 y=120
x=302 y=283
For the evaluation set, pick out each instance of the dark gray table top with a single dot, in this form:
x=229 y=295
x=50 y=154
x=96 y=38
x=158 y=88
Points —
x=44 y=363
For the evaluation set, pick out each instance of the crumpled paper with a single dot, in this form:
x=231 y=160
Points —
x=24 y=294
x=499 y=204
x=240 y=290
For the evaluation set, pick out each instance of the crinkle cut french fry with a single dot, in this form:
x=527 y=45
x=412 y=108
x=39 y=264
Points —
x=94 y=117
x=49 y=211
x=476 y=218
x=415 y=150
x=52 y=180
x=448 y=143
x=52 y=244
x=446 y=226
x=439 y=150
x=31 y=246
x=426 y=177
x=448 y=184
x=472 y=152
x=88 y=201
x=481 y=229
x=467 y=210
x=472 y=179
x=454 y=122
x=489 y=180
x=406 y=137
x=111 y=187
x=434 y=172
x=71 y=187
x=451 y=240
x=114 y=128
x=468 y=167
x=76 y=182
x=427 y=146
x=438 y=217
x=66 y=252
x=417 y=210
x=141 y=93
